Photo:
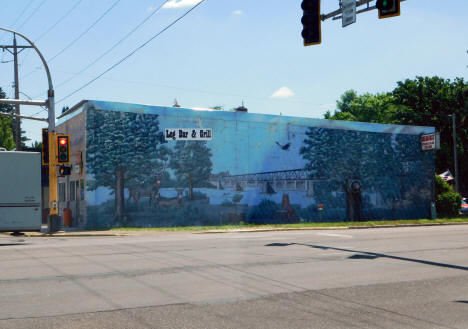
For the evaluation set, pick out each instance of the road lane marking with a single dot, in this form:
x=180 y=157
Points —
x=336 y=235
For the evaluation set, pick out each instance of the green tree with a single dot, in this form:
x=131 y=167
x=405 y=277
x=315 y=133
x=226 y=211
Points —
x=428 y=101
x=122 y=147
x=218 y=108
x=378 y=108
x=423 y=101
x=6 y=132
x=10 y=109
x=191 y=161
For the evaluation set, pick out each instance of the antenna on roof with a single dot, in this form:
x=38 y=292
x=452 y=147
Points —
x=241 y=108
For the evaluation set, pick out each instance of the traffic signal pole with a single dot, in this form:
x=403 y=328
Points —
x=334 y=14
x=50 y=104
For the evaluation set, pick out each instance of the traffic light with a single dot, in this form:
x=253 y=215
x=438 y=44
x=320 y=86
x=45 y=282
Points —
x=45 y=146
x=311 y=21
x=63 y=149
x=64 y=170
x=388 y=8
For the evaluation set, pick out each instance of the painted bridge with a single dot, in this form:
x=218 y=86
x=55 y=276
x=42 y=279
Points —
x=268 y=182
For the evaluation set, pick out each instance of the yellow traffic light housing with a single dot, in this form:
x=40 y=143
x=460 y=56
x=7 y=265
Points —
x=311 y=21
x=45 y=147
x=63 y=149
x=388 y=8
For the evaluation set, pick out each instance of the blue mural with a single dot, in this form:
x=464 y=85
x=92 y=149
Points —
x=231 y=167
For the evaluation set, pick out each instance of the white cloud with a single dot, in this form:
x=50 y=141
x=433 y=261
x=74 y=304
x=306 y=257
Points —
x=283 y=92
x=180 y=3
x=237 y=12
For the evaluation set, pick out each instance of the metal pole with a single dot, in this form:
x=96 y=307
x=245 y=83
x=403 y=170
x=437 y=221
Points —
x=53 y=200
x=17 y=106
x=455 y=157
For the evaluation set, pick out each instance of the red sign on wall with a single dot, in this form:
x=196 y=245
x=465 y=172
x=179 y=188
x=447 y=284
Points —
x=428 y=142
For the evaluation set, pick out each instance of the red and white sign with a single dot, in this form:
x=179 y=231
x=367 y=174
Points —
x=428 y=142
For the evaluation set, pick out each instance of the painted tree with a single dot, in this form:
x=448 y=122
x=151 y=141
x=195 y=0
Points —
x=192 y=164
x=373 y=158
x=122 y=147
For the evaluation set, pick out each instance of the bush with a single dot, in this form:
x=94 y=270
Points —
x=442 y=186
x=448 y=204
x=266 y=210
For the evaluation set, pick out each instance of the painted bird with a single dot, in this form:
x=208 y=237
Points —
x=284 y=147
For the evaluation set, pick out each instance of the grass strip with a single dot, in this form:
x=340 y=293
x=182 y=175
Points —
x=302 y=225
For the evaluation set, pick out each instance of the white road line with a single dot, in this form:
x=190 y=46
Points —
x=336 y=235
x=245 y=236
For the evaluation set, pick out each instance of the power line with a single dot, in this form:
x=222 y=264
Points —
x=134 y=51
x=114 y=46
x=77 y=38
x=51 y=28
x=20 y=15
x=58 y=21
x=84 y=32
x=35 y=10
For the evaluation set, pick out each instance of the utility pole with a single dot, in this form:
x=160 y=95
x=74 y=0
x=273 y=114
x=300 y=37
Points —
x=14 y=49
x=17 y=106
x=455 y=157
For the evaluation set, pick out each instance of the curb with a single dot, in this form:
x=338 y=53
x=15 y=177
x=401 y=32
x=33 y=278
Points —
x=408 y=225
x=327 y=228
x=274 y=229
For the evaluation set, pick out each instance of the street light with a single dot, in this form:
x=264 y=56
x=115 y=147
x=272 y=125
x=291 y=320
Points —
x=50 y=104
x=455 y=156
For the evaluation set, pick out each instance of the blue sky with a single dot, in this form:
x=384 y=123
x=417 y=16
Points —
x=227 y=51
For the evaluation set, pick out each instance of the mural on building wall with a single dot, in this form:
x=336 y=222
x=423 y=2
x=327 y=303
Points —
x=124 y=151
x=262 y=170
x=390 y=167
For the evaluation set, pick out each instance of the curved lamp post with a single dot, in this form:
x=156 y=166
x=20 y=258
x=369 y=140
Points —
x=50 y=104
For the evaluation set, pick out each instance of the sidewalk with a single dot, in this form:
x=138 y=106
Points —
x=74 y=232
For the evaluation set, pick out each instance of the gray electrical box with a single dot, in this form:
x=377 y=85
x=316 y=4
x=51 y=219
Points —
x=20 y=191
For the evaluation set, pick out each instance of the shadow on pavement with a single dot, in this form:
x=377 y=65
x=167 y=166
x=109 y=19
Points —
x=13 y=244
x=371 y=255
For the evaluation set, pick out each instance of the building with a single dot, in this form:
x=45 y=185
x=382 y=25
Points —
x=141 y=165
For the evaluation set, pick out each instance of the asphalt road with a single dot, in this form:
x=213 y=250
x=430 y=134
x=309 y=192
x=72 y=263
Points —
x=370 y=278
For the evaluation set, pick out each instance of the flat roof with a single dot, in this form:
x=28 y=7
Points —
x=186 y=113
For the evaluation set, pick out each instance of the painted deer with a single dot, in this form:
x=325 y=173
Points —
x=137 y=192
x=167 y=203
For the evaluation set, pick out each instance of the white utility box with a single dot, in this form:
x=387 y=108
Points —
x=20 y=191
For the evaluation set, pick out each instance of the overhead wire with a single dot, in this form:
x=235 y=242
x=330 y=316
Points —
x=77 y=38
x=51 y=28
x=35 y=10
x=113 y=46
x=133 y=52
x=85 y=31
x=58 y=21
x=18 y=18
